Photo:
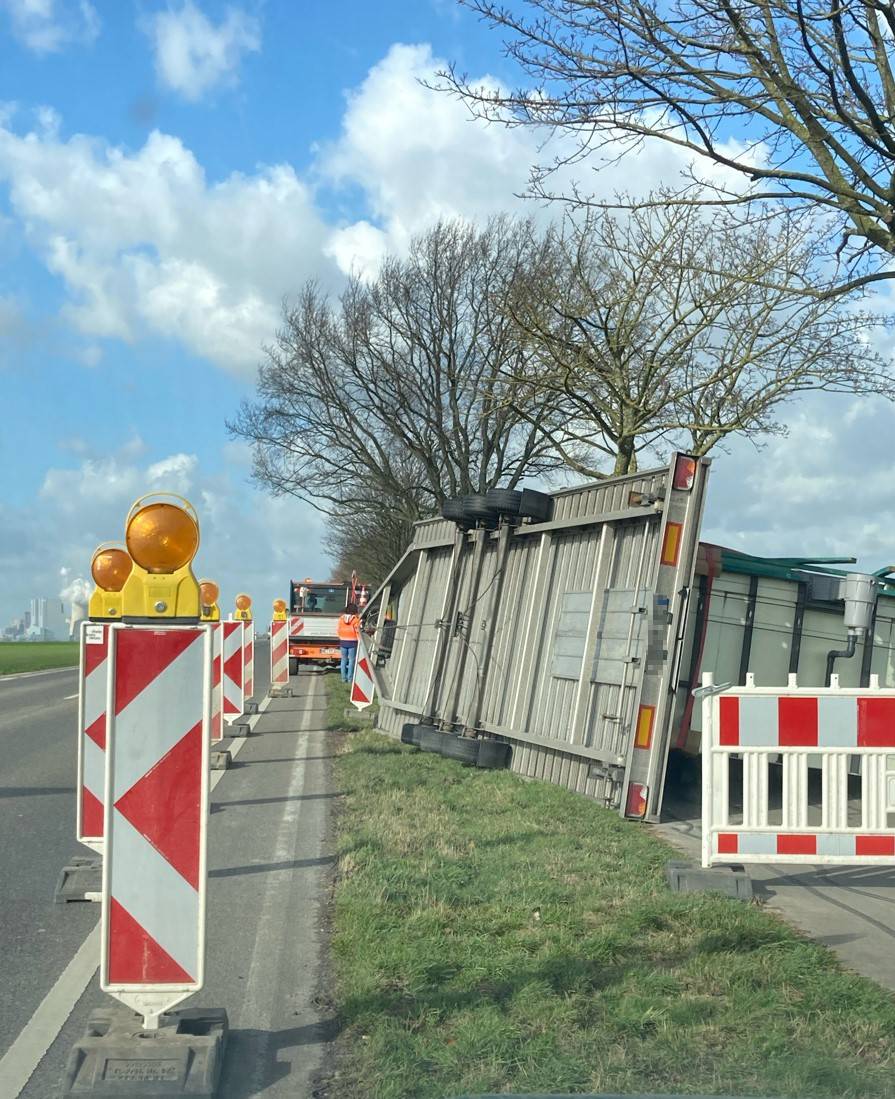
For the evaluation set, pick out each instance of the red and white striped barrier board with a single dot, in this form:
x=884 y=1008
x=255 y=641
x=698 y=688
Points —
x=279 y=654
x=156 y=811
x=217 y=685
x=248 y=672
x=363 y=686
x=750 y=734
x=234 y=703
x=92 y=686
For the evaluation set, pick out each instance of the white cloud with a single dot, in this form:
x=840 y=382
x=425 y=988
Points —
x=823 y=489
x=249 y=542
x=47 y=26
x=193 y=55
x=146 y=246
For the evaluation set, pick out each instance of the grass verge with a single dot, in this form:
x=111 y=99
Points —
x=36 y=656
x=492 y=934
x=340 y=714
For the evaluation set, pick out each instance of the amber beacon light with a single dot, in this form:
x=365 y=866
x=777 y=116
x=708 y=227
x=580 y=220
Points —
x=110 y=567
x=209 y=593
x=161 y=533
x=279 y=610
x=244 y=608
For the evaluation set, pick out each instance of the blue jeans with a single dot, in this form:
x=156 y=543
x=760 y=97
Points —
x=349 y=655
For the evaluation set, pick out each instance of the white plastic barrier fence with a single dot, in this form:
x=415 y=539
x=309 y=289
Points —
x=156 y=813
x=92 y=690
x=248 y=672
x=233 y=661
x=811 y=734
x=279 y=654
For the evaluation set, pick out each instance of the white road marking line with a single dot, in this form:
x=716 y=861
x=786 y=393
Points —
x=18 y=1064
x=27 y=1051
x=257 y=1007
x=30 y=675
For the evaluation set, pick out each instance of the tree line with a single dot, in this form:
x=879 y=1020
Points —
x=490 y=354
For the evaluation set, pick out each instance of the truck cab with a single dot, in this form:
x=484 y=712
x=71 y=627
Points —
x=314 y=609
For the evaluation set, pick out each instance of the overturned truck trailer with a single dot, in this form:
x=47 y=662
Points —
x=578 y=637
x=561 y=636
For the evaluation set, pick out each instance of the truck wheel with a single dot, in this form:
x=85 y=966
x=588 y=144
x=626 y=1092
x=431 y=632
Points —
x=409 y=734
x=493 y=754
x=430 y=738
x=293 y=665
x=504 y=500
x=461 y=748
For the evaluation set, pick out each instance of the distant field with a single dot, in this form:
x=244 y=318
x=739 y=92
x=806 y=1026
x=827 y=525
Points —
x=35 y=656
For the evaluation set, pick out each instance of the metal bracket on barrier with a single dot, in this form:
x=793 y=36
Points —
x=713 y=689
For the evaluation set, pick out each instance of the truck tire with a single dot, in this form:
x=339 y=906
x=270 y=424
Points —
x=461 y=748
x=476 y=509
x=293 y=665
x=409 y=734
x=493 y=754
x=430 y=738
x=453 y=510
x=536 y=505
x=504 y=500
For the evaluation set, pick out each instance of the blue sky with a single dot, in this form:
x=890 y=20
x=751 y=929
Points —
x=169 y=171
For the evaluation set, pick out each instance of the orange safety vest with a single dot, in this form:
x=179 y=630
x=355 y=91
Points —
x=349 y=627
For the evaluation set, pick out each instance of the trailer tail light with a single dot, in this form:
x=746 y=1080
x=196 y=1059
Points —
x=635 y=805
x=684 y=472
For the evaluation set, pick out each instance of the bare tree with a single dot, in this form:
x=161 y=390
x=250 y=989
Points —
x=796 y=97
x=399 y=395
x=669 y=327
x=368 y=542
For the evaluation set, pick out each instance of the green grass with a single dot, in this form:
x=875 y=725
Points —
x=338 y=706
x=35 y=656
x=492 y=934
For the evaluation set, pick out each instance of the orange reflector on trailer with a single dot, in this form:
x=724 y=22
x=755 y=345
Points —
x=645 y=717
x=671 y=544
x=635 y=806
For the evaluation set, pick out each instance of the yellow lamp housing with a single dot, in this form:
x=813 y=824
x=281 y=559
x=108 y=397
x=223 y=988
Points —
x=162 y=536
x=208 y=601
x=110 y=567
x=243 y=612
x=279 y=610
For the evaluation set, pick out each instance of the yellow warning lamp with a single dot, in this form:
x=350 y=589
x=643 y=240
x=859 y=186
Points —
x=279 y=610
x=162 y=536
x=243 y=612
x=110 y=567
x=208 y=601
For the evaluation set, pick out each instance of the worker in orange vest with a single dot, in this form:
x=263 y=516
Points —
x=348 y=631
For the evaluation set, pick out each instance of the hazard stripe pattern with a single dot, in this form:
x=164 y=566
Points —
x=92 y=734
x=249 y=665
x=279 y=654
x=232 y=670
x=824 y=721
x=806 y=843
x=155 y=834
x=217 y=686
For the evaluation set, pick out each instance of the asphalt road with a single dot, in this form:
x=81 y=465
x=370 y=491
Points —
x=268 y=867
x=37 y=822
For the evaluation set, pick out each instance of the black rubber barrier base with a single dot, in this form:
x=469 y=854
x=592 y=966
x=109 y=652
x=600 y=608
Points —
x=80 y=880
x=220 y=759
x=685 y=878
x=251 y=708
x=117 y=1059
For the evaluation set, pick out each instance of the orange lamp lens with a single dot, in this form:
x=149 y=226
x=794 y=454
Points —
x=208 y=593
x=110 y=568
x=243 y=602
x=162 y=538
x=279 y=605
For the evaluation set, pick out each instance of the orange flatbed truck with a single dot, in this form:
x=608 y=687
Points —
x=314 y=608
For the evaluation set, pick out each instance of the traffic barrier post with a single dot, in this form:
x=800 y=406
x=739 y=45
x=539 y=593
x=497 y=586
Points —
x=92 y=688
x=363 y=685
x=279 y=656
x=232 y=678
x=156 y=813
